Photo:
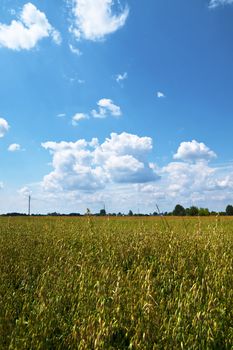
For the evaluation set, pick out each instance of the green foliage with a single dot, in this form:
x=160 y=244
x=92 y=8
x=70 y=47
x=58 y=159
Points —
x=179 y=210
x=116 y=283
x=192 y=211
x=203 y=212
x=229 y=210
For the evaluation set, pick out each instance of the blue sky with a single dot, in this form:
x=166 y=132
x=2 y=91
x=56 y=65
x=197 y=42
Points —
x=116 y=102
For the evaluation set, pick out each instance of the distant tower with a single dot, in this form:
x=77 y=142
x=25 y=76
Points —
x=29 y=205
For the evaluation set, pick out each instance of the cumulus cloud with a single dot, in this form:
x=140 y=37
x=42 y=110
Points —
x=216 y=3
x=106 y=107
x=127 y=169
x=24 y=33
x=189 y=184
x=14 y=147
x=89 y=166
x=160 y=94
x=194 y=151
x=123 y=144
x=4 y=127
x=72 y=169
x=119 y=172
x=182 y=177
x=78 y=117
x=191 y=179
x=94 y=19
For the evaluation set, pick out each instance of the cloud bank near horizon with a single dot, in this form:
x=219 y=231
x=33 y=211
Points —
x=119 y=172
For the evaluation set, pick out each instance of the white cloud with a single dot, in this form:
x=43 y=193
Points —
x=195 y=183
x=121 y=77
x=118 y=172
x=124 y=144
x=90 y=166
x=14 y=147
x=189 y=184
x=106 y=107
x=61 y=115
x=24 y=191
x=160 y=94
x=75 y=50
x=216 y=3
x=94 y=19
x=184 y=178
x=78 y=117
x=179 y=182
x=4 y=127
x=1 y=185
x=56 y=36
x=24 y=33
x=128 y=169
x=194 y=151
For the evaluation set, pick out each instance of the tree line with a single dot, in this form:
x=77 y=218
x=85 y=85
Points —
x=179 y=210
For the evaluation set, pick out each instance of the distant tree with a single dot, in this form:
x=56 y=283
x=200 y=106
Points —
x=16 y=214
x=155 y=213
x=229 y=210
x=193 y=211
x=130 y=213
x=204 y=212
x=54 y=214
x=179 y=210
x=102 y=212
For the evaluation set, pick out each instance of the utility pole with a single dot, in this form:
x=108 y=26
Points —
x=29 y=205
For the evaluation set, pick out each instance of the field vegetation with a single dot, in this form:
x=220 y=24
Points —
x=118 y=283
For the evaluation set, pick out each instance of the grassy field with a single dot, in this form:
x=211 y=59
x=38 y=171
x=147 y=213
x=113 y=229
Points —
x=127 y=283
